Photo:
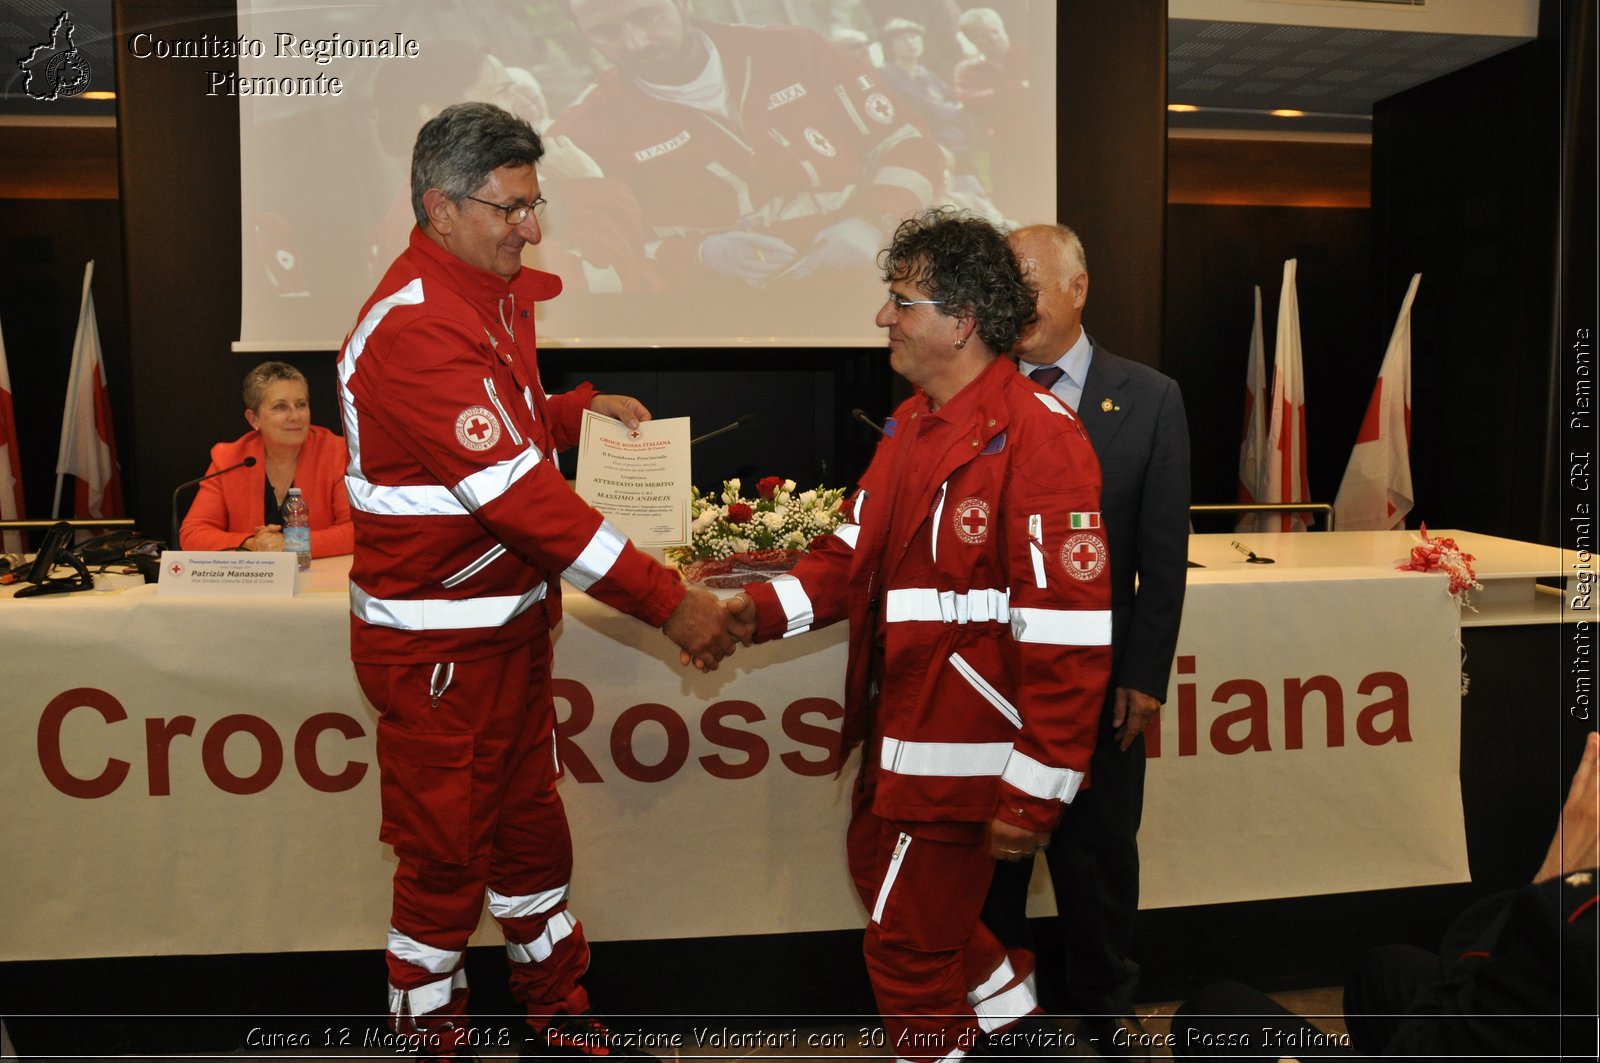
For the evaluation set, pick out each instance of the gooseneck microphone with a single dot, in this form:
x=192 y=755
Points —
x=725 y=429
x=245 y=464
x=861 y=415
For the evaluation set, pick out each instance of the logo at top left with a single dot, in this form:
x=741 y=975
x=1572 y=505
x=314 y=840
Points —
x=56 y=69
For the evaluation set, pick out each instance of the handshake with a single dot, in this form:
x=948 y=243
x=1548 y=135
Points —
x=708 y=629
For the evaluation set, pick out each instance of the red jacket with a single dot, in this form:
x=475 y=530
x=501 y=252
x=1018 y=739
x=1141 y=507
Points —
x=228 y=509
x=464 y=524
x=816 y=140
x=974 y=559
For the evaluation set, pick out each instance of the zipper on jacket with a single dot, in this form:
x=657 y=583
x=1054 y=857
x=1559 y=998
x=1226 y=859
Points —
x=936 y=511
x=1036 y=548
x=511 y=325
x=896 y=860
x=475 y=567
x=986 y=690
x=494 y=397
x=443 y=674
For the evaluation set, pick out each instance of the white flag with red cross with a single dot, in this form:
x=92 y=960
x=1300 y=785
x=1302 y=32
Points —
x=1253 y=443
x=11 y=503
x=1375 y=494
x=1286 y=438
x=88 y=443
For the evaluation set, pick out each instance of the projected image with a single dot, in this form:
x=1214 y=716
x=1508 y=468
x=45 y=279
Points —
x=717 y=172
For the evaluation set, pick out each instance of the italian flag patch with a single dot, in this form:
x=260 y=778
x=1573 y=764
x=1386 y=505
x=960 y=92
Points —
x=1081 y=521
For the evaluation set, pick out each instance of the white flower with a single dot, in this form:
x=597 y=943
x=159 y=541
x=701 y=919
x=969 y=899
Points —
x=789 y=520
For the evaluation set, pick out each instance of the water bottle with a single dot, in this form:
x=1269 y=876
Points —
x=297 y=528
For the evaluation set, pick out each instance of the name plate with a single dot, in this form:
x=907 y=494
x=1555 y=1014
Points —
x=227 y=574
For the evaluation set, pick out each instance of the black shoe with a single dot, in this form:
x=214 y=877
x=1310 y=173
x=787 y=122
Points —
x=1114 y=1036
x=579 y=1037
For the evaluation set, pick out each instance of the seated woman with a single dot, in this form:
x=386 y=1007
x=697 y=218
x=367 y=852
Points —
x=242 y=510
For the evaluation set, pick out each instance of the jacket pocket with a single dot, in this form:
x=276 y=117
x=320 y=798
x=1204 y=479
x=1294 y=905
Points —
x=896 y=861
x=986 y=690
x=425 y=781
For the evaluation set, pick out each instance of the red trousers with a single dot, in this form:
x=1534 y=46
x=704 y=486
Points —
x=941 y=979
x=467 y=766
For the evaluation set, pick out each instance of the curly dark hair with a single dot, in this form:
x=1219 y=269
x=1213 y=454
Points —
x=964 y=262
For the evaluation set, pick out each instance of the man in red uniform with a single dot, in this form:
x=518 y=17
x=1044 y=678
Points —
x=464 y=528
x=758 y=153
x=974 y=575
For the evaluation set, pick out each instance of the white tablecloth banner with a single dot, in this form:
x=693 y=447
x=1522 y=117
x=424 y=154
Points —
x=1310 y=742
x=194 y=776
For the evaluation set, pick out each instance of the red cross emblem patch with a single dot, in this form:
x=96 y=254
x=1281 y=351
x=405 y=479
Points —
x=1083 y=556
x=819 y=143
x=972 y=520
x=879 y=109
x=477 y=428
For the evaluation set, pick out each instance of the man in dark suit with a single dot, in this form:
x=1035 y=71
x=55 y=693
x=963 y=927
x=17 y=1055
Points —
x=1135 y=419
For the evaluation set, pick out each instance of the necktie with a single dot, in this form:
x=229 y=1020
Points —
x=1047 y=375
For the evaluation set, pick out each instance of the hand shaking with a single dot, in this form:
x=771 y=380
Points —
x=707 y=630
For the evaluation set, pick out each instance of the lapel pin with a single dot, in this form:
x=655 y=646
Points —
x=1106 y=406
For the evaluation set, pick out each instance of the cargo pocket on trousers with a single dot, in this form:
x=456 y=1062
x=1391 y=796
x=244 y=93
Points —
x=426 y=786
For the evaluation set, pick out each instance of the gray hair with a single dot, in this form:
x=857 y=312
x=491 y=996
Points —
x=256 y=381
x=462 y=145
x=987 y=16
x=1069 y=249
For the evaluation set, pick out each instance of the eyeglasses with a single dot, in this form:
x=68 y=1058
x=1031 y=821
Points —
x=516 y=213
x=904 y=304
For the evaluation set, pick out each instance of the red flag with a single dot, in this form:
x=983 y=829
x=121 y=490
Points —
x=88 y=444
x=1375 y=494
x=11 y=503
x=1286 y=439
x=1253 y=445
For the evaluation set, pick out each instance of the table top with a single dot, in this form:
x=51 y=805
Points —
x=1493 y=557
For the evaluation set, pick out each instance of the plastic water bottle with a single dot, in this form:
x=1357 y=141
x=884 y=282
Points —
x=297 y=528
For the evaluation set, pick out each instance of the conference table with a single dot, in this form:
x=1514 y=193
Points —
x=197 y=775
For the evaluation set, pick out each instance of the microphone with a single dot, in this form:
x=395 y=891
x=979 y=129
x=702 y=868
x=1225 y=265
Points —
x=1250 y=555
x=245 y=464
x=725 y=429
x=861 y=415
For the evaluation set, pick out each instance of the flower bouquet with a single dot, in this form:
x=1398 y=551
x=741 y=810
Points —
x=1441 y=554
x=734 y=540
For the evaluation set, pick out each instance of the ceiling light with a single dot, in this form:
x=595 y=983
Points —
x=1285 y=112
x=1182 y=107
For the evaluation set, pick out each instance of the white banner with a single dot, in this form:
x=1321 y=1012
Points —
x=195 y=776
x=1310 y=741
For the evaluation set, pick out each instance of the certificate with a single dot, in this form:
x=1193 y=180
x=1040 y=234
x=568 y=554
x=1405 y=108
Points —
x=637 y=477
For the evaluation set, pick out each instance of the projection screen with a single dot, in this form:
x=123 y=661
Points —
x=742 y=204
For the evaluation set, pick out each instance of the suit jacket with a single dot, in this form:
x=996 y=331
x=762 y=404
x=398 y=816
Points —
x=228 y=509
x=1136 y=421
